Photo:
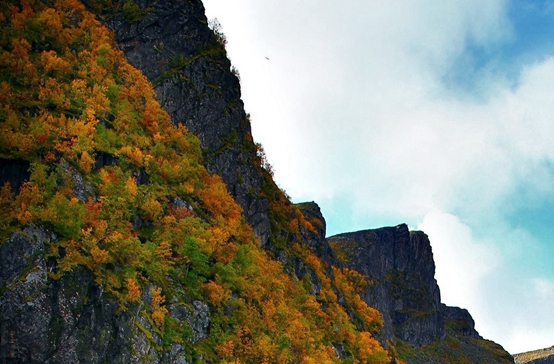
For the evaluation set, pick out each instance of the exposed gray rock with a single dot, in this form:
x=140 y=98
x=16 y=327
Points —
x=198 y=318
x=314 y=239
x=401 y=268
x=81 y=188
x=70 y=320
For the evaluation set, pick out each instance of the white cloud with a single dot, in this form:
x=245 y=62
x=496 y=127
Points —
x=544 y=289
x=461 y=260
x=528 y=325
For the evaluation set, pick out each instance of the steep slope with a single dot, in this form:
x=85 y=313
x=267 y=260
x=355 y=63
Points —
x=117 y=243
x=400 y=265
x=170 y=43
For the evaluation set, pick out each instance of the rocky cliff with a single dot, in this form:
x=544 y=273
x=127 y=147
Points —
x=120 y=244
x=400 y=265
x=70 y=320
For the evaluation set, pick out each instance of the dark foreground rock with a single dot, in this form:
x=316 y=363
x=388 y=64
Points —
x=70 y=320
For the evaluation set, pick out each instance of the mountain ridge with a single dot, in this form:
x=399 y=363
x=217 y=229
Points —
x=541 y=356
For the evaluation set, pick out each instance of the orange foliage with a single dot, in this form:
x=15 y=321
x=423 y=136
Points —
x=215 y=293
x=133 y=290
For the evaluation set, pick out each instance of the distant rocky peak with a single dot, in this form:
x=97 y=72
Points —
x=400 y=266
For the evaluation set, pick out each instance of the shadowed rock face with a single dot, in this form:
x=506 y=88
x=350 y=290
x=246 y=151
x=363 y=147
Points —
x=460 y=320
x=400 y=267
x=15 y=172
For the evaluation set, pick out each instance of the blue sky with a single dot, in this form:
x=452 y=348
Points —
x=437 y=114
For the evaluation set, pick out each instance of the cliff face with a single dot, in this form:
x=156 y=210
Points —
x=82 y=284
x=400 y=265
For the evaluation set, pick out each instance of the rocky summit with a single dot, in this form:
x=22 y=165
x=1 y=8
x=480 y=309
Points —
x=140 y=222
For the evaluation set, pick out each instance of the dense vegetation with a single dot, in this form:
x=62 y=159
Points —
x=128 y=198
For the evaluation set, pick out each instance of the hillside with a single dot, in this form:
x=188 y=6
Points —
x=140 y=222
x=542 y=356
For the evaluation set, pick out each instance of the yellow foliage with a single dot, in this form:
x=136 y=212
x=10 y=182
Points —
x=159 y=311
x=164 y=251
x=73 y=254
x=152 y=209
x=51 y=19
x=131 y=186
x=136 y=156
x=54 y=64
x=99 y=256
x=226 y=349
x=86 y=161
x=133 y=290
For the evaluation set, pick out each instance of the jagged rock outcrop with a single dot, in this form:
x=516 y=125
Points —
x=174 y=48
x=460 y=321
x=400 y=268
x=314 y=239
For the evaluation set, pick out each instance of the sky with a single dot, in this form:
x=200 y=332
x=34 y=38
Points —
x=438 y=114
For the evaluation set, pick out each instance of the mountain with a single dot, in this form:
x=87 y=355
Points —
x=140 y=222
x=542 y=356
